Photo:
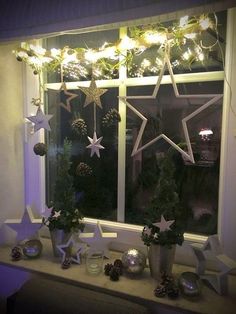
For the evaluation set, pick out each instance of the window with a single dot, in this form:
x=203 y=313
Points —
x=97 y=192
x=204 y=76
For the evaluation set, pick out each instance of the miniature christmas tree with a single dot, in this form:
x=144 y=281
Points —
x=165 y=206
x=64 y=213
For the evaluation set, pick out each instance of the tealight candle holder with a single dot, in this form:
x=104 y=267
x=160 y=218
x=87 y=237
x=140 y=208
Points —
x=94 y=262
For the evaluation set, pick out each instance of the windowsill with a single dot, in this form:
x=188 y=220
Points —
x=139 y=289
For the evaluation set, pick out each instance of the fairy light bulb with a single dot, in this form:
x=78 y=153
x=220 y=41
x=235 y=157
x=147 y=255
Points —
x=90 y=55
x=190 y=35
x=55 y=52
x=154 y=37
x=183 y=21
x=127 y=43
x=204 y=22
x=187 y=54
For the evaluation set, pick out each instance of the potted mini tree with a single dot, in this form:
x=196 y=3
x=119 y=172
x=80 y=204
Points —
x=65 y=218
x=165 y=220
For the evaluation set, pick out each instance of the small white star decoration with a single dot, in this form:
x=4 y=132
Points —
x=99 y=240
x=72 y=249
x=95 y=145
x=163 y=225
x=212 y=247
x=93 y=94
x=26 y=227
x=40 y=120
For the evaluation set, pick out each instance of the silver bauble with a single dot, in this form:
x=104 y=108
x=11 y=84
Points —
x=134 y=261
x=32 y=248
x=190 y=284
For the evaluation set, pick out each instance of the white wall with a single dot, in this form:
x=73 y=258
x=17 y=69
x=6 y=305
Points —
x=11 y=137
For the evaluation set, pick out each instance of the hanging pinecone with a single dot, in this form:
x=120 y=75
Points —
x=107 y=269
x=79 y=127
x=16 y=253
x=40 y=149
x=83 y=170
x=66 y=263
x=110 y=118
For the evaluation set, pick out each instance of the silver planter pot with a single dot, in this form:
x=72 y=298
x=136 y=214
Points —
x=58 y=236
x=161 y=259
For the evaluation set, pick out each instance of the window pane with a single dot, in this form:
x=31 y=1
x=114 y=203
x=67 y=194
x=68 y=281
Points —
x=197 y=183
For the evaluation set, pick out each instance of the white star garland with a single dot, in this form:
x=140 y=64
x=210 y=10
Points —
x=189 y=154
x=25 y=227
x=95 y=145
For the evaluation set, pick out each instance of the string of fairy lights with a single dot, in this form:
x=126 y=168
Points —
x=183 y=40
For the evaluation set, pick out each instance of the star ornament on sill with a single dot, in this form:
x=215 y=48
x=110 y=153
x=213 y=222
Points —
x=25 y=227
x=164 y=225
x=138 y=147
x=99 y=240
x=93 y=94
x=40 y=120
x=95 y=145
x=65 y=103
x=72 y=249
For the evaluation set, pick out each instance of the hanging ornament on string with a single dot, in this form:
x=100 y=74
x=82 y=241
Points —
x=93 y=95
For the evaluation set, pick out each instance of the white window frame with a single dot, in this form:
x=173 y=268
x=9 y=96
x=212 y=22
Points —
x=130 y=234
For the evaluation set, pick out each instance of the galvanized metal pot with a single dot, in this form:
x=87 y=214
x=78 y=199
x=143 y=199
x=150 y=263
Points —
x=58 y=236
x=161 y=259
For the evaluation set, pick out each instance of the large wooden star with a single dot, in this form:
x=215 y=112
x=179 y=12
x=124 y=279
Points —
x=93 y=94
x=138 y=147
x=98 y=240
x=25 y=227
x=65 y=103
x=95 y=145
x=40 y=120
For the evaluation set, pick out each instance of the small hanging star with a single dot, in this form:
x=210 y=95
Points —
x=63 y=94
x=95 y=145
x=163 y=225
x=41 y=120
x=93 y=94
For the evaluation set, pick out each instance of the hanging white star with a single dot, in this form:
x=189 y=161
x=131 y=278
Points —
x=95 y=145
x=189 y=154
x=72 y=249
x=163 y=225
x=66 y=104
x=98 y=239
x=40 y=120
x=93 y=94
x=25 y=227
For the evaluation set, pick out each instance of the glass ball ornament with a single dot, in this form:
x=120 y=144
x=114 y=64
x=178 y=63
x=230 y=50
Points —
x=190 y=284
x=134 y=261
x=32 y=248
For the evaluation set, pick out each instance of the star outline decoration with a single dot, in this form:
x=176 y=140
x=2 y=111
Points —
x=189 y=154
x=98 y=240
x=66 y=106
x=26 y=227
x=69 y=245
x=93 y=93
x=95 y=145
